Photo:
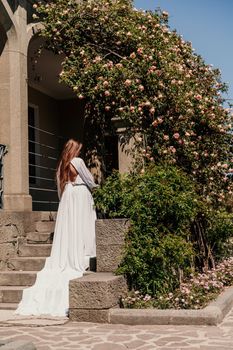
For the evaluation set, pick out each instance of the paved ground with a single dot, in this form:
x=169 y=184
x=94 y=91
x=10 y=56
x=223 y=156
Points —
x=90 y=336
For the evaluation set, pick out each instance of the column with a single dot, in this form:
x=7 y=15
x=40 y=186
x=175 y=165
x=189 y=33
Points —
x=14 y=115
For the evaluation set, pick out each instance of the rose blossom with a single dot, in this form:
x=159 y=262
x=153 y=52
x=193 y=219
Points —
x=198 y=97
x=166 y=137
x=140 y=50
x=132 y=55
x=176 y=135
x=225 y=166
x=106 y=93
x=152 y=110
x=119 y=65
x=128 y=82
x=172 y=149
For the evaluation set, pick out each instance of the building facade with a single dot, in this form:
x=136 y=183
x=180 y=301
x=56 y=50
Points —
x=37 y=113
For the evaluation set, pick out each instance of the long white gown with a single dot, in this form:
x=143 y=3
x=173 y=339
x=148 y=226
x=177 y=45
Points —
x=73 y=245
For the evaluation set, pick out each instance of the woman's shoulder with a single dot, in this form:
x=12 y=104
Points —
x=77 y=159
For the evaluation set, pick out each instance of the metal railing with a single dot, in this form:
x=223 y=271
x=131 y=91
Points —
x=3 y=151
x=44 y=149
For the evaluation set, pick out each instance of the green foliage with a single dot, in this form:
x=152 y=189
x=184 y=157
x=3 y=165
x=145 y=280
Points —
x=162 y=246
x=161 y=204
x=194 y=293
x=220 y=232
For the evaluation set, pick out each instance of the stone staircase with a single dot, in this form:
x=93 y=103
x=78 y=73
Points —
x=91 y=296
x=21 y=270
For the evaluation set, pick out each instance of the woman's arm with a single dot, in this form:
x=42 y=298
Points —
x=83 y=172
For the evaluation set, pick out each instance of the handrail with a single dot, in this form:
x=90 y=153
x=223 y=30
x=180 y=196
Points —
x=3 y=151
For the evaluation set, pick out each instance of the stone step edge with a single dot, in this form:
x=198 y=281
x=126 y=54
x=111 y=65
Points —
x=8 y=306
x=15 y=272
x=39 y=245
x=12 y=288
x=29 y=258
x=211 y=315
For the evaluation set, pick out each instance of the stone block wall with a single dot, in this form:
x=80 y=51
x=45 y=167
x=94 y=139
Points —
x=12 y=234
x=94 y=295
x=110 y=236
x=13 y=229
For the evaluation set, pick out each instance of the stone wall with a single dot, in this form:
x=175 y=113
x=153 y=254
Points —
x=13 y=229
x=12 y=233
x=110 y=237
x=92 y=296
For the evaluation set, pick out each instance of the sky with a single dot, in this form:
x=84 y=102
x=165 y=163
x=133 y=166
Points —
x=208 y=24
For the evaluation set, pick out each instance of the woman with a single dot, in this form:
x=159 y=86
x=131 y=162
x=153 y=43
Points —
x=74 y=238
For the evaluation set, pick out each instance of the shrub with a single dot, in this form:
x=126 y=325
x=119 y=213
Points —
x=172 y=230
x=194 y=293
x=161 y=204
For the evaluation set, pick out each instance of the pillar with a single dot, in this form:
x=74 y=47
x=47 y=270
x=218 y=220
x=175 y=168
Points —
x=14 y=114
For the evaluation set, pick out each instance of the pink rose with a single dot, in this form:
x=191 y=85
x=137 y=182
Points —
x=132 y=55
x=128 y=82
x=166 y=137
x=119 y=65
x=176 y=135
x=140 y=50
x=172 y=149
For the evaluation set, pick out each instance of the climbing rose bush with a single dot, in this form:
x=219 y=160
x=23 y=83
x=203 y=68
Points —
x=128 y=64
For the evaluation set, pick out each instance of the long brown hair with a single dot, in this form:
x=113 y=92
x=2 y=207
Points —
x=65 y=172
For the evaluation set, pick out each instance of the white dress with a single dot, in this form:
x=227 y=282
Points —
x=73 y=245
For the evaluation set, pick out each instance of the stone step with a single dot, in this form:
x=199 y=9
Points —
x=17 y=278
x=27 y=263
x=39 y=237
x=34 y=250
x=91 y=296
x=44 y=226
x=8 y=306
x=11 y=294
